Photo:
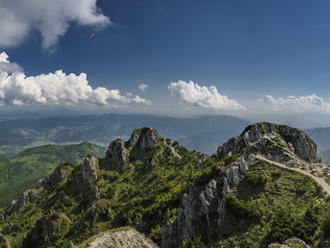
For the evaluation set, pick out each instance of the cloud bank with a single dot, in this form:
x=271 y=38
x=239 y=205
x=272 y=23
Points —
x=51 y=18
x=56 y=89
x=201 y=96
x=293 y=104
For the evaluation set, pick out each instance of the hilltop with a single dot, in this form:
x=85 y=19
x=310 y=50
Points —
x=250 y=193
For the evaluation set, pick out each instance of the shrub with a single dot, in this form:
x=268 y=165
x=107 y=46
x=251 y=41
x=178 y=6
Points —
x=255 y=179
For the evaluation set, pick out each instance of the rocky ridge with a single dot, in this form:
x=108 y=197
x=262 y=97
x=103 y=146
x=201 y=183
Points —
x=276 y=142
x=80 y=200
x=120 y=153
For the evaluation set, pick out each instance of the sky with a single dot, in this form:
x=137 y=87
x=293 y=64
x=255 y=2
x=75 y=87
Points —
x=257 y=59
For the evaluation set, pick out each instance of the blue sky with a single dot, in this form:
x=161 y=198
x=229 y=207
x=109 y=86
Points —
x=246 y=49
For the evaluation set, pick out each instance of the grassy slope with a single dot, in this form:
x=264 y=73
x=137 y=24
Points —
x=140 y=195
x=24 y=170
x=284 y=204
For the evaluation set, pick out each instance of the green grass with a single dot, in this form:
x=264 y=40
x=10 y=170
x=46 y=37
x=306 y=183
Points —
x=273 y=204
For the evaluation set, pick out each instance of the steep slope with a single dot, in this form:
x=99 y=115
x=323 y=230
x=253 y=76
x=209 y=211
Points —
x=24 y=170
x=238 y=197
x=268 y=202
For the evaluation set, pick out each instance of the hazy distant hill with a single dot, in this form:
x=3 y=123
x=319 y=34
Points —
x=202 y=134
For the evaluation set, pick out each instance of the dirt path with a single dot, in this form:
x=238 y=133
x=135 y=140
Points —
x=319 y=180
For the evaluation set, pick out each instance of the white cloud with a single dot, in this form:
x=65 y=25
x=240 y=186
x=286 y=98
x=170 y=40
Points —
x=56 y=89
x=293 y=104
x=143 y=87
x=5 y=65
x=201 y=96
x=51 y=18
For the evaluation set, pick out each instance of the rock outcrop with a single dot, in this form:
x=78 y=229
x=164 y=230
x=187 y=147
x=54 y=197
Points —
x=203 y=209
x=27 y=197
x=277 y=142
x=144 y=138
x=89 y=169
x=139 y=147
x=117 y=155
x=59 y=175
x=129 y=238
x=201 y=213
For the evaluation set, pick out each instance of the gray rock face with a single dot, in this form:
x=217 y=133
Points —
x=302 y=144
x=202 y=212
x=89 y=169
x=117 y=155
x=272 y=140
x=121 y=239
x=27 y=197
x=243 y=165
x=144 y=138
x=233 y=175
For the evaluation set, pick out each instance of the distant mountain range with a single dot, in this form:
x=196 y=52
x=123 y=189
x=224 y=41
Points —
x=202 y=134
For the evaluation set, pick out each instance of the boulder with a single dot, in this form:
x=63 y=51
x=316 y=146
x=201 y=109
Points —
x=129 y=238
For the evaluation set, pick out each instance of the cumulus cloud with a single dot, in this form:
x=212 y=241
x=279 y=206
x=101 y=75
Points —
x=56 y=89
x=201 y=96
x=5 y=65
x=49 y=17
x=293 y=104
x=143 y=87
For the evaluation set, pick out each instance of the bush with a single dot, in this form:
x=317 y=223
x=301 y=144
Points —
x=255 y=179
x=239 y=209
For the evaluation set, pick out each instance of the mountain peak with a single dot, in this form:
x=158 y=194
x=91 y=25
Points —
x=145 y=144
x=274 y=141
x=144 y=137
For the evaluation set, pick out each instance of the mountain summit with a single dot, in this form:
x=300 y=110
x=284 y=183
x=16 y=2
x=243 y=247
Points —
x=265 y=186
